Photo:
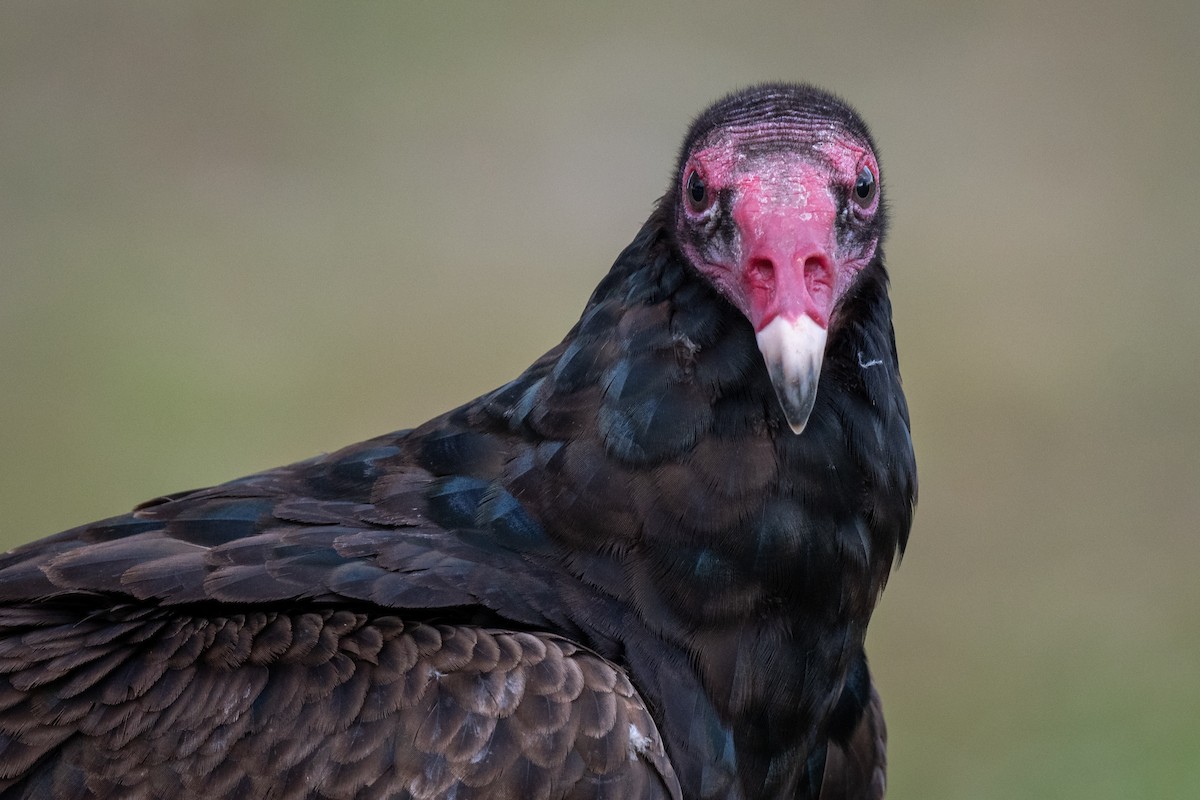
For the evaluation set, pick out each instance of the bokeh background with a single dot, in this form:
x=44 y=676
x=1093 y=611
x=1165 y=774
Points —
x=233 y=237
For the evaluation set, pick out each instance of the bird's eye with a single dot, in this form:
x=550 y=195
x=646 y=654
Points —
x=697 y=192
x=865 y=187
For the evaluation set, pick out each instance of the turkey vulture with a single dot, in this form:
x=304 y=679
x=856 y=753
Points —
x=642 y=569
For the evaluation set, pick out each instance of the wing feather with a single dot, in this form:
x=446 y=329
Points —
x=326 y=703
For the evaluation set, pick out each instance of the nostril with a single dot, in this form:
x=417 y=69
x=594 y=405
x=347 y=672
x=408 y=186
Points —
x=818 y=275
x=761 y=273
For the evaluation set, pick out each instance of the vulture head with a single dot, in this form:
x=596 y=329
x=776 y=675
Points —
x=777 y=202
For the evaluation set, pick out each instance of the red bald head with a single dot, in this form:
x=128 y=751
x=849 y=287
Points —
x=777 y=205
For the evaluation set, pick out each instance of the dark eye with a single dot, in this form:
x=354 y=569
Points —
x=697 y=192
x=864 y=187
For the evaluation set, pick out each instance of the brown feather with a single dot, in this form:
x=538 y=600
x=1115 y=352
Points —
x=497 y=712
x=857 y=769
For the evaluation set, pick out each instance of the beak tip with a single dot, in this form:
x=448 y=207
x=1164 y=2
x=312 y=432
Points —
x=797 y=399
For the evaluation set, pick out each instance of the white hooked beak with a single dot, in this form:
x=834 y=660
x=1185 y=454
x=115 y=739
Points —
x=792 y=350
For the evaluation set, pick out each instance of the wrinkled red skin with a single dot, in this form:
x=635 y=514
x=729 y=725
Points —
x=785 y=260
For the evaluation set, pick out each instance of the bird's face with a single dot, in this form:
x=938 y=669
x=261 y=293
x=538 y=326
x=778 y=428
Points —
x=780 y=210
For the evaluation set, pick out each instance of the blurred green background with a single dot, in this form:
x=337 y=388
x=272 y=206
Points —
x=233 y=237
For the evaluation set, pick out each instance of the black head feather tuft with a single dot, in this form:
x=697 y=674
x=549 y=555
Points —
x=799 y=104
